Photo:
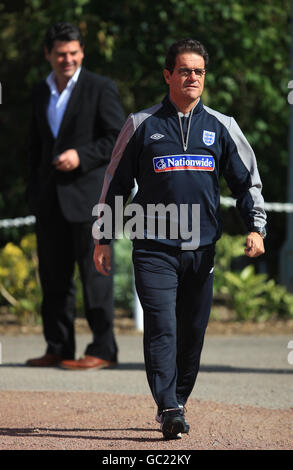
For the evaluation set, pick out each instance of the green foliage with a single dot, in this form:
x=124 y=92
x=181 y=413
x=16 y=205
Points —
x=255 y=297
x=123 y=275
x=246 y=292
x=227 y=249
x=252 y=296
x=19 y=281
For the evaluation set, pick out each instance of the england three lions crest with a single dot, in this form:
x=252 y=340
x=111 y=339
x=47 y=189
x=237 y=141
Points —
x=208 y=137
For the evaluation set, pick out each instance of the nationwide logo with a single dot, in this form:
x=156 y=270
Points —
x=184 y=162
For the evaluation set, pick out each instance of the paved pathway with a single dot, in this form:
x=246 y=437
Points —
x=243 y=399
x=246 y=370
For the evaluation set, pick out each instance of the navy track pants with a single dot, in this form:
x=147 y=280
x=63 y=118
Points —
x=175 y=289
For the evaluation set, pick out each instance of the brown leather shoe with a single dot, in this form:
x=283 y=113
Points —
x=87 y=362
x=48 y=360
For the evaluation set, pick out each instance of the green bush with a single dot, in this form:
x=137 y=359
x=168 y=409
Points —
x=123 y=275
x=228 y=248
x=246 y=292
x=19 y=280
x=252 y=296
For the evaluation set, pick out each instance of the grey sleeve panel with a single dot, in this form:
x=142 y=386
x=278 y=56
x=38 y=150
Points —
x=140 y=117
x=245 y=152
x=125 y=135
x=130 y=127
x=247 y=157
x=225 y=120
x=124 y=147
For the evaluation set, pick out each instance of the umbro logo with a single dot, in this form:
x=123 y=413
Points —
x=156 y=136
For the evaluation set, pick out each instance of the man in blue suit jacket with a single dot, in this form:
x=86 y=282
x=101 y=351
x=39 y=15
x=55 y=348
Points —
x=76 y=118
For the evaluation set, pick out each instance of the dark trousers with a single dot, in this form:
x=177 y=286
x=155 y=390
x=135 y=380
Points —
x=62 y=245
x=175 y=291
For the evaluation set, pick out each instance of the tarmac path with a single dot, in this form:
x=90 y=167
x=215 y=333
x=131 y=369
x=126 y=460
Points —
x=243 y=399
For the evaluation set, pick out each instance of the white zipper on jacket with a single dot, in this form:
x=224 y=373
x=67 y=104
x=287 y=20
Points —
x=189 y=116
x=179 y=114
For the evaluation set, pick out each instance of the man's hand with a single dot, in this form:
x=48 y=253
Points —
x=102 y=259
x=254 y=245
x=67 y=161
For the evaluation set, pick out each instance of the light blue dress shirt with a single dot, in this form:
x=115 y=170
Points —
x=58 y=102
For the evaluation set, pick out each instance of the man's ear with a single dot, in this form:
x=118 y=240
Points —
x=167 y=75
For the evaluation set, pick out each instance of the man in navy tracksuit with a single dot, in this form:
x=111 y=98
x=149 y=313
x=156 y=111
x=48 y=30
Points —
x=176 y=152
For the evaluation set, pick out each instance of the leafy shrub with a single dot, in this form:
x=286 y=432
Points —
x=228 y=248
x=19 y=280
x=252 y=296
x=123 y=275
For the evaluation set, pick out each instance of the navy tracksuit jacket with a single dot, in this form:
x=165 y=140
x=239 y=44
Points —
x=178 y=160
x=173 y=168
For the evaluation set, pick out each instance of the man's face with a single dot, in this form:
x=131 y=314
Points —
x=185 y=88
x=65 y=58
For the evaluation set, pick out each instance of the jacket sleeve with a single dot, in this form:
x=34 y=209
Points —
x=119 y=181
x=110 y=120
x=242 y=176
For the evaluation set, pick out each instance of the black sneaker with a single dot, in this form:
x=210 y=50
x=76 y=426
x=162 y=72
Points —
x=173 y=423
x=159 y=418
